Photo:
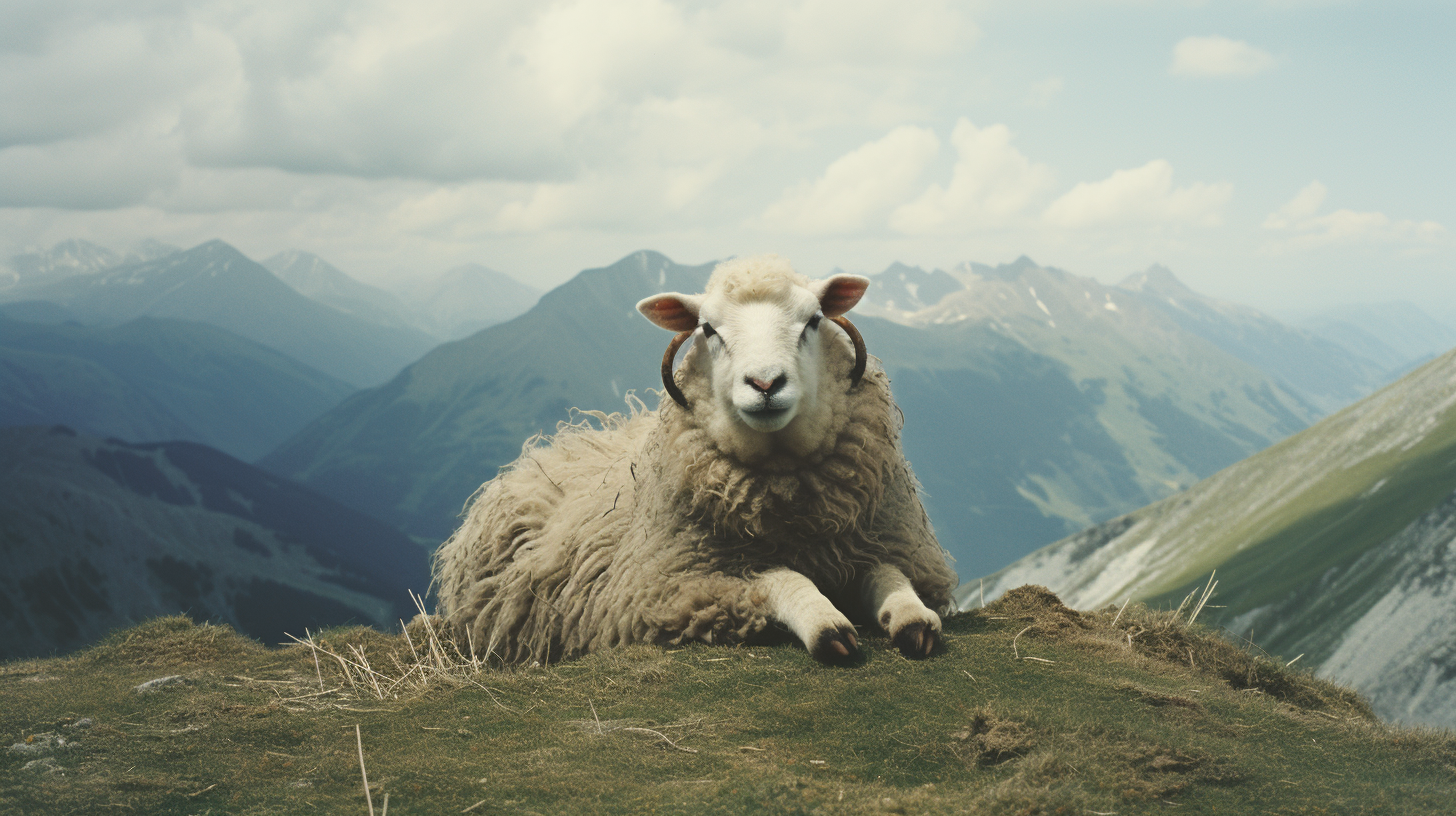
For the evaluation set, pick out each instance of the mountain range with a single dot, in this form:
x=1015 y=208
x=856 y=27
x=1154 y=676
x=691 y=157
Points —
x=1036 y=402
x=452 y=305
x=1398 y=335
x=467 y=298
x=1336 y=546
x=74 y=257
x=100 y=534
x=315 y=278
x=414 y=449
x=1322 y=372
x=214 y=283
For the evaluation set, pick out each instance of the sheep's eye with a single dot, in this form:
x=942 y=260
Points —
x=814 y=322
x=708 y=330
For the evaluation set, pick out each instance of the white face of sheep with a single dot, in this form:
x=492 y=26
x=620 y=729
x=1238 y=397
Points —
x=764 y=355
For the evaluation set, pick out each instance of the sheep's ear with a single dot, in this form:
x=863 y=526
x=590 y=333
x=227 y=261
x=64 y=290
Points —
x=839 y=293
x=671 y=311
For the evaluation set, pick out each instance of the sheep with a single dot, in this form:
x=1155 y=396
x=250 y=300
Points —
x=769 y=493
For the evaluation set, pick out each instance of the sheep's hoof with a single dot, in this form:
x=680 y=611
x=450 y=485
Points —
x=835 y=645
x=916 y=640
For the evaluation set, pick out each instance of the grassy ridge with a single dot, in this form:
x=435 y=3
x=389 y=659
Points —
x=1030 y=708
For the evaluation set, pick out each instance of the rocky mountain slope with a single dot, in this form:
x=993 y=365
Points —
x=100 y=534
x=1323 y=373
x=1337 y=545
x=156 y=379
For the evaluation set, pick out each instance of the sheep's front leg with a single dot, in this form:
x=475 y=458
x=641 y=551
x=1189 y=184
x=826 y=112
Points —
x=793 y=600
x=913 y=627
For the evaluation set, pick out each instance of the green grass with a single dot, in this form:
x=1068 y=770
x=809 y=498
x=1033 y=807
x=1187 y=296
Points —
x=1030 y=708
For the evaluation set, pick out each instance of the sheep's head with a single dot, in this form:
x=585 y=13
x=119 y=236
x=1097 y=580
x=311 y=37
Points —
x=760 y=327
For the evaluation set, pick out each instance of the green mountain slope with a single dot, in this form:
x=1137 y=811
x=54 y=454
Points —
x=39 y=388
x=1021 y=428
x=417 y=447
x=214 y=283
x=1030 y=709
x=99 y=534
x=153 y=379
x=1319 y=542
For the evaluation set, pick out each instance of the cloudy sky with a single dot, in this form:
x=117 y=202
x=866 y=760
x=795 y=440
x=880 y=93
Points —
x=1286 y=153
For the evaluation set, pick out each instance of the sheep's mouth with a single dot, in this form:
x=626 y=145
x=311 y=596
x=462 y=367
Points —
x=766 y=418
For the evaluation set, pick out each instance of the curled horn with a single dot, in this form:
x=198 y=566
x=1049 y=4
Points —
x=667 y=381
x=861 y=356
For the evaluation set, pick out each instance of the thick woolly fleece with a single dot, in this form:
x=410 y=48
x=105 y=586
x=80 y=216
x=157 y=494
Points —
x=641 y=529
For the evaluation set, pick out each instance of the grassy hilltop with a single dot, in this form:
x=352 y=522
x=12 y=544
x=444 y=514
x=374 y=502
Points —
x=1030 y=708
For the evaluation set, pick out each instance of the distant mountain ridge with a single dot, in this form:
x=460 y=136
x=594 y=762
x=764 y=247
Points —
x=1326 y=374
x=1398 y=335
x=72 y=258
x=214 y=283
x=467 y=298
x=155 y=379
x=452 y=305
x=101 y=534
x=1337 y=545
x=320 y=280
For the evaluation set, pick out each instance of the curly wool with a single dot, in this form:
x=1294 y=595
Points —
x=643 y=530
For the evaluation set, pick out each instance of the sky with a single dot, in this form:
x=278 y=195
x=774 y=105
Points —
x=1290 y=154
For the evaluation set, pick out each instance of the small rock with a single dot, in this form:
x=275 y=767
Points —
x=45 y=765
x=84 y=722
x=41 y=744
x=160 y=683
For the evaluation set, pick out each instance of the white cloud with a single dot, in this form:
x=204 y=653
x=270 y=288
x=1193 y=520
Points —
x=1143 y=195
x=1043 y=93
x=578 y=96
x=1218 y=57
x=874 y=31
x=1304 y=205
x=89 y=173
x=857 y=187
x=1300 y=228
x=990 y=183
x=454 y=91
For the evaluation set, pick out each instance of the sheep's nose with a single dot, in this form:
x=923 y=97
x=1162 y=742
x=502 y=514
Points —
x=768 y=387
